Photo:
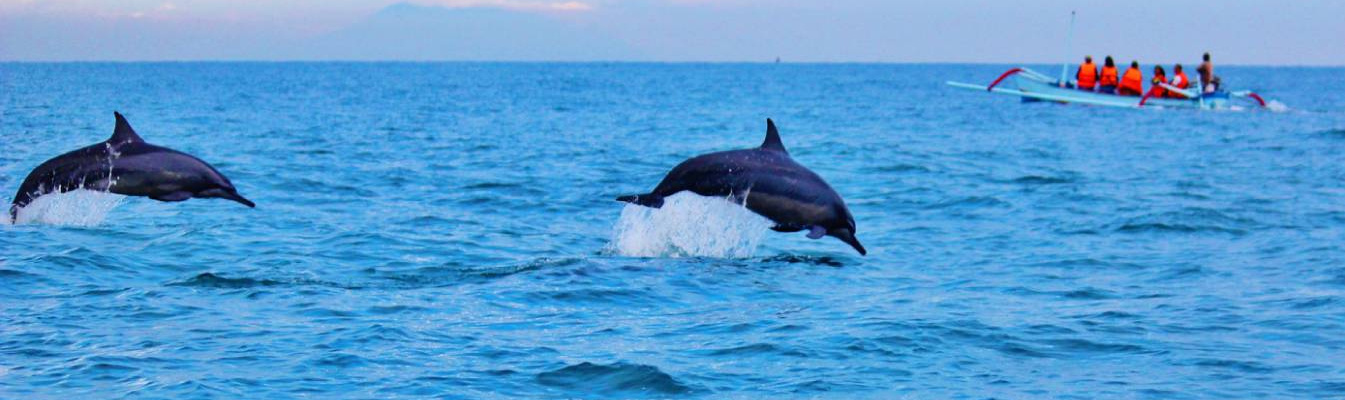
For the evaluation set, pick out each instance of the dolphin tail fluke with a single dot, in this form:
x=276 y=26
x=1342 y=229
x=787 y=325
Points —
x=648 y=200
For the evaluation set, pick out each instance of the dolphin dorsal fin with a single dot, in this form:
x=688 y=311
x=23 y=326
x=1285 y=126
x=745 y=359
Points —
x=773 y=138
x=123 y=133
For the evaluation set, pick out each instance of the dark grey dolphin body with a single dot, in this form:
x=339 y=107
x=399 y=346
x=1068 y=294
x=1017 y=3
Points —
x=768 y=182
x=125 y=164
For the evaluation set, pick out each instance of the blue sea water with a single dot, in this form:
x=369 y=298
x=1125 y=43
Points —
x=448 y=230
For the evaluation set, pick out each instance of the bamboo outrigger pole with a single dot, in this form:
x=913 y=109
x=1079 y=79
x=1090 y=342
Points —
x=1069 y=49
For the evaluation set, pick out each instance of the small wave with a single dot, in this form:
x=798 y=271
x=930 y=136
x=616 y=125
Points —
x=1236 y=365
x=1180 y=228
x=831 y=386
x=608 y=296
x=973 y=202
x=1081 y=346
x=1309 y=303
x=812 y=260
x=454 y=275
x=613 y=379
x=1078 y=294
x=74 y=208
x=209 y=280
x=688 y=225
x=1190 y=220
x=754 y=349
x=493 y=185
x=1333 y=133
x=902 y=168
x=1035 y=180
x=1276 y=106
x=1110 y=315
x=338 y=360
x=13 y=274
x=1086 y=264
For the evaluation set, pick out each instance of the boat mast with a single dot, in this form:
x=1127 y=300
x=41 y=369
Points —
x=1069 y=49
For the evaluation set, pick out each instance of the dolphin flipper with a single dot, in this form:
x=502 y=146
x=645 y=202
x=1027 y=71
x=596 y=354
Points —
x=816 y=232
x=648 y=200
x=174 y=196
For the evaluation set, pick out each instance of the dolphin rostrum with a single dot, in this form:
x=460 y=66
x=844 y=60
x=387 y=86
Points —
x=768 y=182
x=125 y=164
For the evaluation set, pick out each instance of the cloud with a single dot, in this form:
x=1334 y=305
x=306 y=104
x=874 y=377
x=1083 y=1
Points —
x=517 y=5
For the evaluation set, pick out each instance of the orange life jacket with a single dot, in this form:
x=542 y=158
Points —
x=1108 y=77
x=1132 y=82
x=1154 y=86
x=1181 y=82
x=1087 y=75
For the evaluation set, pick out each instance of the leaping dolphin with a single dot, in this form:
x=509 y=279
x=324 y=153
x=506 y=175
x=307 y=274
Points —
x=769 y=183
x=125 y=164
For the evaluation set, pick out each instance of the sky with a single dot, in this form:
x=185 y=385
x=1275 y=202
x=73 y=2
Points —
x=1255 y=32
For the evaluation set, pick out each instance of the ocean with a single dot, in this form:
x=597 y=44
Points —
x=448 y=230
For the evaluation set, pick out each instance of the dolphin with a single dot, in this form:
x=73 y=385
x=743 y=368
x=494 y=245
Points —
x=768 y=182
x=125 y=164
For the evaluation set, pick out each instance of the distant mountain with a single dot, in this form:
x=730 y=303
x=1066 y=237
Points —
x=406 y=31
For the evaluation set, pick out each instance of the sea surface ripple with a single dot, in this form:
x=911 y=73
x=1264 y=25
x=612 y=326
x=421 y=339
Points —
x=449 y=230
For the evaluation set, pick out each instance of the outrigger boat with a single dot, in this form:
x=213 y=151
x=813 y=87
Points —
x=1034 y=86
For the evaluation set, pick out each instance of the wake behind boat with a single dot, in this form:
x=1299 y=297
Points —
x=1034 y=86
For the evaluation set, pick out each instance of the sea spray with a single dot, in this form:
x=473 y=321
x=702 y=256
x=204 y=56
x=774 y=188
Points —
x=74 y=208
x=1276 y=106
x=688 y=225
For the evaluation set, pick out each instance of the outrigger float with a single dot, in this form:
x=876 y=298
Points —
x=1034 y=86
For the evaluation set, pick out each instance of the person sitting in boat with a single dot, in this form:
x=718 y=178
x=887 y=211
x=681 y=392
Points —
x=1107 y=79
x=1087 y=74
x=1132 y=83
x=1206 y=71
x=1160 y=76
x=1180 y=81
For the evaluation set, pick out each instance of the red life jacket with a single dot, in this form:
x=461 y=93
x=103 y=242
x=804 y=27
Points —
x=1158 y=90
x=1087 y=75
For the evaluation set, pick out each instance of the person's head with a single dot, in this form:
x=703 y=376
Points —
x=1158 y=70
x=1088 y=59
x=1109 y=62
x=1135 y=64
x=1177 y=69
x=1206 y=57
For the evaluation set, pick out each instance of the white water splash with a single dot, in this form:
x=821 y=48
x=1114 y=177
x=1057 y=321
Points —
x=1276 y=106
x=74 y=208
x=688 y=225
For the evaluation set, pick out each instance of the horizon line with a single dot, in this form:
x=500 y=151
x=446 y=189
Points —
x=446 y=61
